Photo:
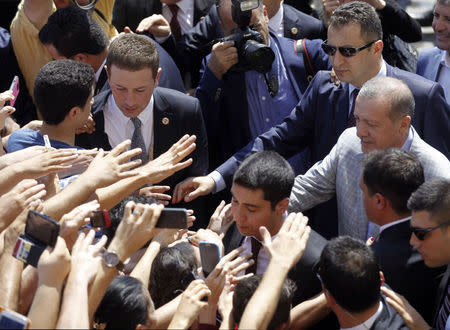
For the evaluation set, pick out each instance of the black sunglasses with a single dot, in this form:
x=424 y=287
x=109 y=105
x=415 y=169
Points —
x=345 y=51
x=422 y=232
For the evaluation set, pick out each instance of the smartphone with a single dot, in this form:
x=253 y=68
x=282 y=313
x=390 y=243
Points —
x=209 y=256
x=15 y=89
x=12 y=320
x=42 y=228
x=100 y=219
x=173 y=218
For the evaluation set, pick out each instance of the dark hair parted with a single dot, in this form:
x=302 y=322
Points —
x=393 y=173
x=434 y=197
x=269 y=172
x=245 y=289
x=400 y=97
x=72 y=31
x=350 y=272
x=61 y=85
x=172 y=271
x=361 y=13
x=125 y=304
x=133 y=52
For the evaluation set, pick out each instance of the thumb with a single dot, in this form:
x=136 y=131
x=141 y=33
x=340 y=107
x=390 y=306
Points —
x=267 y=239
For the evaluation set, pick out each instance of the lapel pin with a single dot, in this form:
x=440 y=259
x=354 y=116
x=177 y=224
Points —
x=165 y=121
x=294 y=30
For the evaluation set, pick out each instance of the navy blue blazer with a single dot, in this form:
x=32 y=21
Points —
x=321 y=117
x=429 y=63
x=224 y=102
x=184 y=117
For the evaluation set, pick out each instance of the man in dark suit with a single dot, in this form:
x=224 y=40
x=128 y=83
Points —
x=261 y=188
x=351 y=280
x=326 y=109
x=388 y=179
x=71 y=33
x=430 y=225
x=135 y=108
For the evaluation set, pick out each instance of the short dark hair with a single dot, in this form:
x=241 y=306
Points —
x=71 y=31
x=245 y=289
x=396 y=91
x=361 y=13
x=133 y=52
x=269 y=172
x=172 y=271
x=349 y=271
x=434 y=197
x=61 y=85
x=393 y=173
x=124 y=305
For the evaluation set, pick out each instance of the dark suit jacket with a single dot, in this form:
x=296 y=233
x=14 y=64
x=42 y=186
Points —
x=442 y=290
x=303 y=273
x=404 y=269
x=298 y=25
x=389 y=318
x=185 y=117
x=132 y=12
x=224 y=102
x=321 y=117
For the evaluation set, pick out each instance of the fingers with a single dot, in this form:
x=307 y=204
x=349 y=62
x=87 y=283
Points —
x=180 y=188
x=118 y=149
x=265 y=235
x=6 y=111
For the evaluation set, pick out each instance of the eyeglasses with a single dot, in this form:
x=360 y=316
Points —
x=345 y=51
x=422 y=232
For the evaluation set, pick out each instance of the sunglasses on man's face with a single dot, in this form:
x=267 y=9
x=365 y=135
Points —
x=422 y=232
x=345 y=51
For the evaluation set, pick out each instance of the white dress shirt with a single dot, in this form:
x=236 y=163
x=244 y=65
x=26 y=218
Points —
x=369 y=322
x=185 y=14
x=276 y=22
x=118 y=127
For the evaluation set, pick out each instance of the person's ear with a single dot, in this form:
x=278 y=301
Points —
x=282 y=206
x=378 y=46
x=80 y=57
x=158 y=74
x=405 y=122
x=380 y=201
x=73 y=113
x=382 y=280
x=266 y=15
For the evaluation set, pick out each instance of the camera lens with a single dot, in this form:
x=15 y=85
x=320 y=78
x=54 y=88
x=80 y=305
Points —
x=258 y=55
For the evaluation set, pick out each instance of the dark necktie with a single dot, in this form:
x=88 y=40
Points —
x=174 y=24
x=137 y=141
x=351 y=122
x=256 y=246
x=101 y=81
x=444 y=312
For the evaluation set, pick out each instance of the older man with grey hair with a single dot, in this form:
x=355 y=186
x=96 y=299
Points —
x=383 y=112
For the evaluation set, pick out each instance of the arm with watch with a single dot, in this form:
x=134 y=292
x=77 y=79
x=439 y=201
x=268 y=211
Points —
x=135 y=229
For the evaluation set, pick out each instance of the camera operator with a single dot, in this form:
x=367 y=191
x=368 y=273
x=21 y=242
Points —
x=240 y=103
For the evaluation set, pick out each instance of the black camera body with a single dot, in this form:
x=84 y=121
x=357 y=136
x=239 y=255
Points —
x=253 y=54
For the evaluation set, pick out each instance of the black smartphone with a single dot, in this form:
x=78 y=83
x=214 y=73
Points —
x=13 y=320
x=209 y=256
x=15 y=89
x=100 y=219
x=173 y=218
x=42 y=228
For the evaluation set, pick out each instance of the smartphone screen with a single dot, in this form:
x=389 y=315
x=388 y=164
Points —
x=209 y=256
x=173 y=218
x=15 y=89
x=12 y=320
x=42 y=228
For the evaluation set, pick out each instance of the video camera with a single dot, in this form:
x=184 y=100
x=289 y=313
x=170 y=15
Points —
x=252 y=52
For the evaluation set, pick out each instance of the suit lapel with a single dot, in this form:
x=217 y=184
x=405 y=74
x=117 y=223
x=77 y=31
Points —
x=163 y=127
x=201 y=8
x=340 y=100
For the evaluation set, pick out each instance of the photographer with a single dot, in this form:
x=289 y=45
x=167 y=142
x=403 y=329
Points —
x=240 y=103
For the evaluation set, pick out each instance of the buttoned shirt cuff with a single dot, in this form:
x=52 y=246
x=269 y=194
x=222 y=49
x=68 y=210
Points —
x=218 y=179
x=161 y=40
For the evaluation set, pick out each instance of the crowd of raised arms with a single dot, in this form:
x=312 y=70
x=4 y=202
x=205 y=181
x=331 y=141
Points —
x=224 y=164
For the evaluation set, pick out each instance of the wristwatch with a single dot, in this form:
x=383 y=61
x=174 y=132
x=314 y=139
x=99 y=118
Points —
x=112 y=260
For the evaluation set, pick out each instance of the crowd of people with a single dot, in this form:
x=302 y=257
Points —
x=225 y=164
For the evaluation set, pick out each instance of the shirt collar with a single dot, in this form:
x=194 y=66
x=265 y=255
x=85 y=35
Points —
x=390 y=224
x=446 y=58
x=276 y=21
x=369 y=322
x=184 y=5
x=380 y=73
x=408 y=142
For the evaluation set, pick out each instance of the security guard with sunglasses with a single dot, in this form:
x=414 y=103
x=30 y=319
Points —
x=326 y=109
x=430 y=226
